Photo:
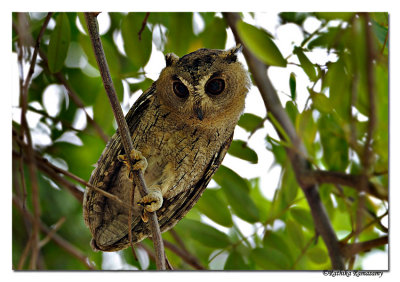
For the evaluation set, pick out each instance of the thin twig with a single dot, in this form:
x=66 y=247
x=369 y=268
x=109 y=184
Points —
x=296 y=152
x=148 y=250
x=372 y=222
x=65 y=124
x=341 y=178
x=123 y=130
x=350 y=250
x=143 y=25
x=75 y=98
x=187 y=257
x=368 y=154
x=55 y=237
x=303 y=251
x=178 y=240
x=35 y=53
x=25 y=252
x=31 y=162
x=55 y=228
x=53 y=172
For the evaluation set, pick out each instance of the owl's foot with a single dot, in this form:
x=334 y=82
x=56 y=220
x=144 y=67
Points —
x=153 y=200
x=139 y=162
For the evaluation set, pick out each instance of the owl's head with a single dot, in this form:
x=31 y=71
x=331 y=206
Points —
x=205 y=86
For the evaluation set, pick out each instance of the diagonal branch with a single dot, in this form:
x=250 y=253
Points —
x=123 y=130
x=186 y=256
x=350 y=250
x=31 y=162
x=53 y=172
x=337 y=177
x=296 y=152
x=55 y=237
x=75 y=98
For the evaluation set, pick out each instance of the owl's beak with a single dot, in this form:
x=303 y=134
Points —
x=198 y=112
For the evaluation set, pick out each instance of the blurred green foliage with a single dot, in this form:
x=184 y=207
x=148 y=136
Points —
x=333 y=126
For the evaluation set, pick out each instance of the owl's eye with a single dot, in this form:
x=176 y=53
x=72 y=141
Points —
x=180 y=89
x=215 y=86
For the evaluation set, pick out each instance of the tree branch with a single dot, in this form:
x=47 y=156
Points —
x=350 y=250
x=296 y=152
x=53 y=172
x=55 y=237
x=337 y=177
x=75 y=98
x=123 y=130
x=368 y=153
x=187 y=257
x=143 y=25
x=31 y=163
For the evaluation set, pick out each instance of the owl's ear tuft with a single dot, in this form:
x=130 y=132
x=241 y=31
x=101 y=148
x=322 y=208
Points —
x=171 y=59
x=231 y=54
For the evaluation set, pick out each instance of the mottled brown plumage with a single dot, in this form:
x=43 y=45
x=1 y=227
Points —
x=183 y=126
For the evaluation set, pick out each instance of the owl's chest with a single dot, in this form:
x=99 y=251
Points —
x=184 y=148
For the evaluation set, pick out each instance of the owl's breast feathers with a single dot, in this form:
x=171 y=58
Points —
x=182 y=154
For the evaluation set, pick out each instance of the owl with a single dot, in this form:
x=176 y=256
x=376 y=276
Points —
x=181 y=129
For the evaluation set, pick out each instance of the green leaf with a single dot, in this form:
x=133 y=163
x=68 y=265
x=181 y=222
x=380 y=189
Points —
x=307 y=128
x=279 y=241
x=339 y=93
x=295 y=233
x=289 y=185
x=240 y=150
x=129 y=258
x=179 y=31
x=334 y=145
x=329 y=39
x=235 y=261
x=334 y=15
x=381 y=33
x=320 y=102
x=227 y=177
x=258 y=198
x=305 y=63
x=277 y=149
x=214 y=34
x=250 y=122
x=208 y=17
x=205 y=234
x=137 y=49
x=270 y=259
x=292 y=17
x=59 y=43
x=143 y=85
x=317 y=255
x=260 y=44
x=241 y=203
x=112 y=57
x=236 y=191
x=213 y=206
x=292 y=110
x=303 y=217
x=292 y=85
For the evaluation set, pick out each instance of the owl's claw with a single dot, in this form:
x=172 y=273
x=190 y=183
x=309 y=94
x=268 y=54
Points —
x=139 y=162
x=152 y=201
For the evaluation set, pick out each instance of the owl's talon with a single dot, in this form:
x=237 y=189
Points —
x=139 y=162
x=144 y=216
x=152 y=201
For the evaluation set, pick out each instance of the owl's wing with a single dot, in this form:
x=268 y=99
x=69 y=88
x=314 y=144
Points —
x=175 y=208
x=107 y=166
